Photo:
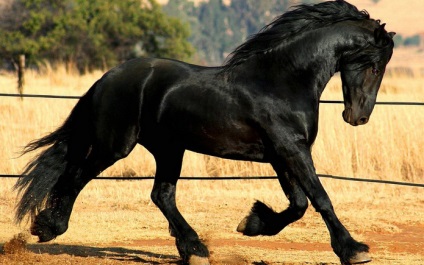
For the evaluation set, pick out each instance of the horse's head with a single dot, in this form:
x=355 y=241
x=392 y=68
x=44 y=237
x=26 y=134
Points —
x=362 y=71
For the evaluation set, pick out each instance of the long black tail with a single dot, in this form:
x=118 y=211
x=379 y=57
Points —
x=69 y=143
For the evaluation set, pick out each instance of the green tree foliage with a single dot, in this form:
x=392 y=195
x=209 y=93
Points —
x=412 y=41
x=208 y=22
x=92 y=34
x=398 y=40
x=415 y=40
x=217 y=29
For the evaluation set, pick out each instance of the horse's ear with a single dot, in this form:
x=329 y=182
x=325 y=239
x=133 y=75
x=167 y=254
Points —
x=380 y=34
x=392 y=34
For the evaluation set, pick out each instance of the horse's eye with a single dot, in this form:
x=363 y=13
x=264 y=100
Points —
x=375 y=71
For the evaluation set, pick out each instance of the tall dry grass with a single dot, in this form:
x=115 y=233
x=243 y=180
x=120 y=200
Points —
x=389 y=147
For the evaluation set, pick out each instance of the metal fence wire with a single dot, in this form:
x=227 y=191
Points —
x=398 y=183
x=393 y=103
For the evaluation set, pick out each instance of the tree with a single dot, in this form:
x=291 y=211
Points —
x=251 y=16
x=92 y=34
x=188 y=12
x=412 y=41
x=216 y=33
x=217 y=28
x=18 y=36
x=107 y=32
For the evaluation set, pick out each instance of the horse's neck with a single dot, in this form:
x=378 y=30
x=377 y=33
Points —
x=315 y=57
x=307 y=62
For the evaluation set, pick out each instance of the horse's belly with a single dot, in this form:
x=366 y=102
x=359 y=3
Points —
x=230 y=144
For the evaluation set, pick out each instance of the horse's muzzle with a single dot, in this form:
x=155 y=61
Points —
x=349 y=118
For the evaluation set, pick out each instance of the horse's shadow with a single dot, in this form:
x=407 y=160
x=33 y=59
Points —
x=115 y=253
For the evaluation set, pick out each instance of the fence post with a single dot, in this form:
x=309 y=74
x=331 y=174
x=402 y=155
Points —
x=21 y=73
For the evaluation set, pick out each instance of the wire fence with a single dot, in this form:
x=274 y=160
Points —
x=389 y=182
x=392 y=103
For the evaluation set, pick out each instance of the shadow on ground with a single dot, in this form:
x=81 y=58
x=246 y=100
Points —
x=115 y=253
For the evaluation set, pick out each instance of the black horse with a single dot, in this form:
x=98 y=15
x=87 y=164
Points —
x=262 y=105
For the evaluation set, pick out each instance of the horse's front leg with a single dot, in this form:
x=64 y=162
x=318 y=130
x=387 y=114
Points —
x=297 y=157
x=262 y=220
x=189 y=245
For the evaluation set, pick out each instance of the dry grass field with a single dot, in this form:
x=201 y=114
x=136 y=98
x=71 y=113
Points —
x=114 y=222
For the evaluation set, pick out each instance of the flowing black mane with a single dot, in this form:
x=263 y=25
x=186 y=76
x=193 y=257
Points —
x=301 y=19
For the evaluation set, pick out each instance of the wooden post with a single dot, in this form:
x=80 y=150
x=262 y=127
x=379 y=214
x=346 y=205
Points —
x=21 y=73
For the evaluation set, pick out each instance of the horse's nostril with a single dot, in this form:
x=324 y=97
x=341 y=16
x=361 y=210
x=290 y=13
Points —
x=363 y=120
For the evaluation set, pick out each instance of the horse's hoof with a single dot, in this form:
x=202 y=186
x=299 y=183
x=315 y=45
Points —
x=46 y=227
x=242 y=225
x=44 y=233
x=196 y=260
x=360 y=258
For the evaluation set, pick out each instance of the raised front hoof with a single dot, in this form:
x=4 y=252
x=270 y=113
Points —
x=262 y=220
x=359 y=258
x=249 y=228
x=196 y=260
x=45 y=227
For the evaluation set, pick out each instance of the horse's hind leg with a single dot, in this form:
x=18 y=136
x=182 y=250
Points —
x=53 y=220
x=168 y=167
x=262 y=220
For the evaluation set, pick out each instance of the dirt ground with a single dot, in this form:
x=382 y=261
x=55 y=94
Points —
x=387 y=248
x=117 y=224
